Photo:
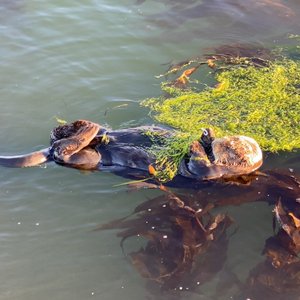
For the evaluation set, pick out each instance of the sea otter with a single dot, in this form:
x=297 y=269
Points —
x=87 y=145
x=226 y=157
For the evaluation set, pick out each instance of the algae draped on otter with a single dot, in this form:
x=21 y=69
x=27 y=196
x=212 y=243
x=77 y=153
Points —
x=262 y=102
x=169 y=153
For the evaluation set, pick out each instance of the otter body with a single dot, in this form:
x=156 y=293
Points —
x=86 y=145
x=129 y=148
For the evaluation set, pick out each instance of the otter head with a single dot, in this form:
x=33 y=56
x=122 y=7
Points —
x=207 y=137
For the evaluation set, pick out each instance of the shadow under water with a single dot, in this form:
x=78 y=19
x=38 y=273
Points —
x=187 y=237
x=229 y=18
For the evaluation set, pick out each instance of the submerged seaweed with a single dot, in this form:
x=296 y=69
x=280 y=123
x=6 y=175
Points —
x=186 y=238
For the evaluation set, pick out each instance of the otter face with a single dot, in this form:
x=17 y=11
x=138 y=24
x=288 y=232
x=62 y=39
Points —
x=207 y=137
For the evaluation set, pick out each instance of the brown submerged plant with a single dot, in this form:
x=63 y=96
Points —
x=186 y=240
x=185 y=245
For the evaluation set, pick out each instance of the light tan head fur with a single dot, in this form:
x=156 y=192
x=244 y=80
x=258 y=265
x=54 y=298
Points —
x=240 y=151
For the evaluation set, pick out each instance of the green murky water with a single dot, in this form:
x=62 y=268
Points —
x=96 y=60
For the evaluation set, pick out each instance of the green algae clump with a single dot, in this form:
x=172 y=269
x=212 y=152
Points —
x=169 y=153
x=260 y=102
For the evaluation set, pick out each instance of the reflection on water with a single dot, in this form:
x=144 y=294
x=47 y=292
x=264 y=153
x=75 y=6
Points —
x=75 y=59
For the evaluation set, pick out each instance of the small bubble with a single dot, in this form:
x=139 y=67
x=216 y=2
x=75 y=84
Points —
x=181 y=288
x=37 y=224
x=19 y=223
x=153 y=227
x=165 y=236
x=92 y=293
x=149 y=209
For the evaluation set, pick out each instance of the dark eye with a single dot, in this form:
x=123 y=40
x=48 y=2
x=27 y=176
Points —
x=205 y=132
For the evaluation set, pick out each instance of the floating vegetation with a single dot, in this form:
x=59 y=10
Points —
x=169 y=153
x=250 y=93
x=60 y=121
